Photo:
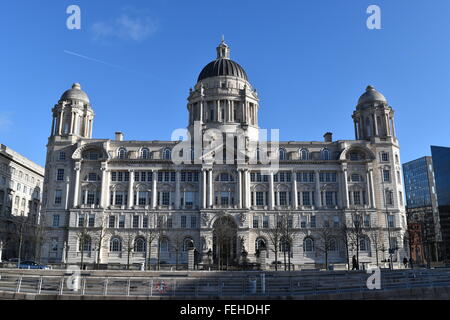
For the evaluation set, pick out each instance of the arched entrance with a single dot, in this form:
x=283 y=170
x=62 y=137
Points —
x=225 y=242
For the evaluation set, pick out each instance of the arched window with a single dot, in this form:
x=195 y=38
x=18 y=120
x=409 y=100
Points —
x=282 y=154
x=304 y=154
x=325 y=154
x=308 y=245
x=122 y=153
x=258 y=154
x=145 y=153
x=164 y=245
x=84 y=243
x=115 y=245
x=188 y=243
x=260 y=244
x=167 y=154
x=139 y=245
x=364 y=244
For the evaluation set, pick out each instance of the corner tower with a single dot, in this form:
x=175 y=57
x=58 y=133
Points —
x=373 y=117
x=73 y=115
x=223 y=98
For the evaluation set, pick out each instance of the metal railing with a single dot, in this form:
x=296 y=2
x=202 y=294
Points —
x=261 y=284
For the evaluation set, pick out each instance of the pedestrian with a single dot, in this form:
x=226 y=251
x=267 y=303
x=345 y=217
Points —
x=354 y=264
x=405 y=262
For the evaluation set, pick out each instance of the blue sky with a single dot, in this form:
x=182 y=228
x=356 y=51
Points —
x=309 y=61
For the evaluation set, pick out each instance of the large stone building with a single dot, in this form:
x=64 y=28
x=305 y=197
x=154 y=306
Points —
x=21 y=183
x=120 y=193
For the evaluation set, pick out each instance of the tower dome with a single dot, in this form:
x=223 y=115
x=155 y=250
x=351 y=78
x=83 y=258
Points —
x=371 y=95
x=75 y=94
x=223 y=65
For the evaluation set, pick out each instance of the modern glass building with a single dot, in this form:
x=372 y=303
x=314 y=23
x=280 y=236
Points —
x=441 y=164
x=422 y=210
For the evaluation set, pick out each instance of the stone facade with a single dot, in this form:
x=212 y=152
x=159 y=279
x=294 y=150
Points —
x=21 y=182
x=116 y=194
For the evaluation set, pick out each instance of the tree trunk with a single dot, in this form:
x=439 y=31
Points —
x=276 y=259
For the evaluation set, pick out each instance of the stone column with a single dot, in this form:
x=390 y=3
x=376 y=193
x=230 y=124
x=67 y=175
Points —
x=344 y=176
x=1 y=250
x=204 y=189
x=154 y=182
x=376 y=133
x=177 y=189
x=61 y=120
x=271 y=193
x=318 y=195
x=53 y=126
x=66 y=206
x=210 y=189
x=247 y=189
x=294 y=190
x=201 y=111
x=105 y=185
x=77 y=184
x=239 y=189
x=369 y=189
x=372 y=189
x=130 y=189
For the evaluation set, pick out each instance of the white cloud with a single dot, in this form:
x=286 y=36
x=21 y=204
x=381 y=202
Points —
x=131 y=25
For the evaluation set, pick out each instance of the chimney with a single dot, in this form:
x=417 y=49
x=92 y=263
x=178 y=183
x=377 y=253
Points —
x=119 y=136
x=328 y=137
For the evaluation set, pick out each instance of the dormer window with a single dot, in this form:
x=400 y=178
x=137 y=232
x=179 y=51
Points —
x=145 y=153
x=122 y=153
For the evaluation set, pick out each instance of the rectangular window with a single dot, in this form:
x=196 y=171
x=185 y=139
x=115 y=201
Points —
x=113 y=176
x=143 y=195
x=169 y=222
x=356 y=197
x=386 y=175
x=165 y=198
x=81 y=220
x=121 y=221
x=126 y=176
x=193 y=222
x=384 y=156
x=119 y=199
x=266 y=222
x=91 y=197
x=313 y=221
x=120 y=176
x=283 y=198
x=58 y=196
x=145 y=222
x=391 y=221
x=183 y=221
x=112 y=222
x=60 y=175
x=259 y=198
x=255 y=222
x=306 y=198
x=367 y=221
x=336 y=221
x=329 y=198
x=56 y=220
x=189 y=199
x=135 y=222
x=303 y=223
x=92 y=176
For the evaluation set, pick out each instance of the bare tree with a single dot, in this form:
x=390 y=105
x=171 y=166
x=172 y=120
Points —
x=376 y=237
x=84 y=241
x=356 y=234
x=327 y=240
x=223 y=233
x=275 y=235
x=344 y=232
x=177 y=244
x=99 y=237
x=151 y=234
x=129 y=246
